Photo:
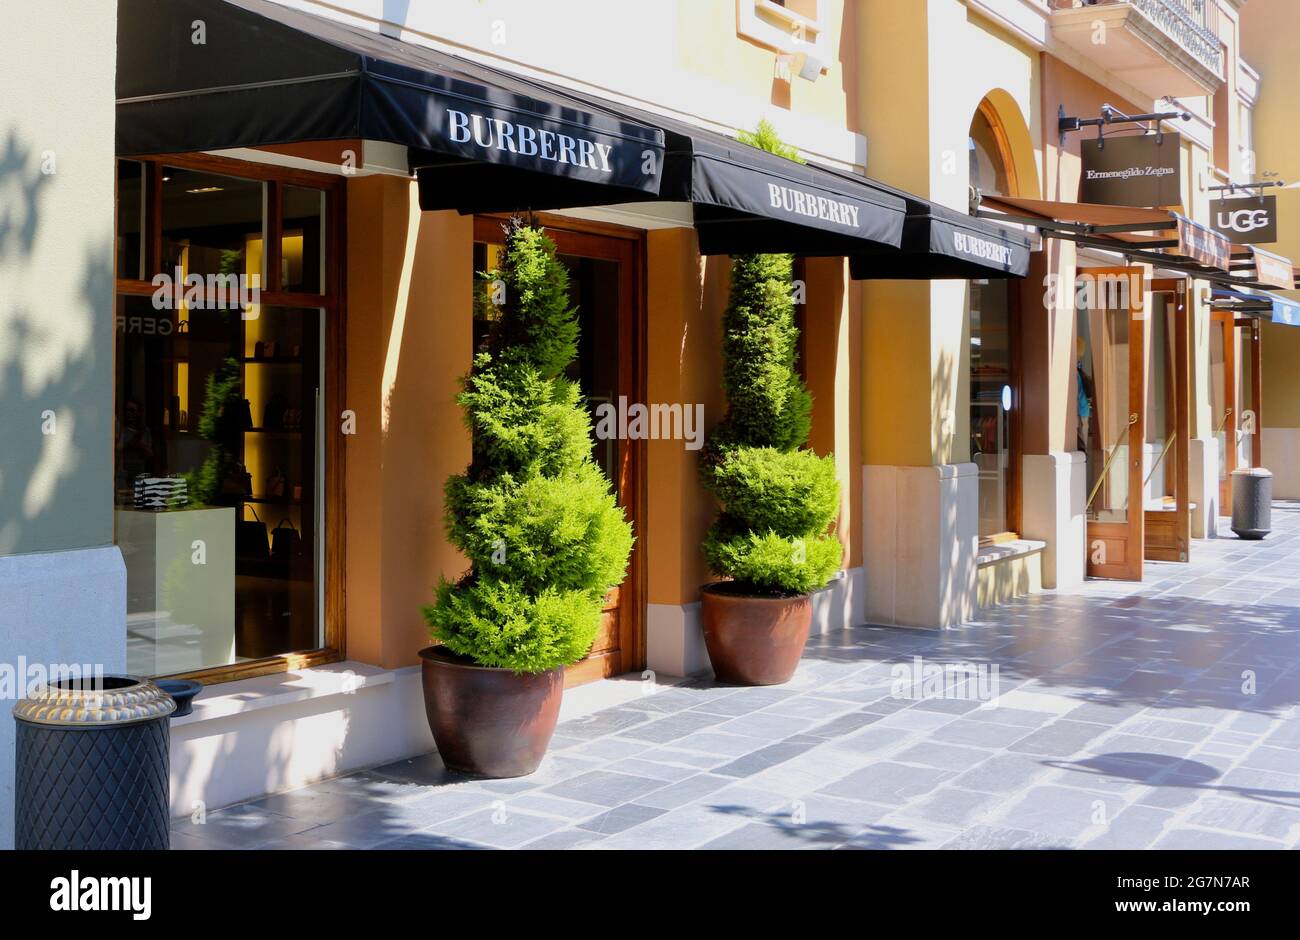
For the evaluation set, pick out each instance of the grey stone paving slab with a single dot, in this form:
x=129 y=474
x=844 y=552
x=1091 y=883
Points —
x=978 y=734
x=500 y=827
x=241 y=827
x=1137 y=827
x=564 y=839
x=951 y=806
x=762 y=759
x=1001 y=837
x=715 y=743
x=1003 y=773
x=366 y=830
x=604 y=788
x=687 y=791
x=673 y=728
x=872 y=740
x=892 y=833
x=765 y=726
x=1061 y=738
x=888 y=782
x=655 y=770
x=944 y=756
x=1061 y=812
x=1251 y=817
x=621 y=818
x=1205 y=840
x=1121 y=721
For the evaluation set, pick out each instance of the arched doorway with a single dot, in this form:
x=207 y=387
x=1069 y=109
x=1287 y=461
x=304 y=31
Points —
x=994 y=348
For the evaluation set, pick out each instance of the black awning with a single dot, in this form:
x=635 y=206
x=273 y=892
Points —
x=265 y=74
x=941 y=243
x=745 y=199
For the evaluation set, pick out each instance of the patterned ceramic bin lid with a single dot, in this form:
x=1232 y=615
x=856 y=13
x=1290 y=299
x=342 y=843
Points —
x=95 y=703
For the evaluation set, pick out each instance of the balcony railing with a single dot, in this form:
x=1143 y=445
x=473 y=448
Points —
x=1193 y=24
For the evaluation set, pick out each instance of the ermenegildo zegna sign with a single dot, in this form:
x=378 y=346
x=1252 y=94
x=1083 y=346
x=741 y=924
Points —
x=549 y=147
x=1245 y=221
x=1132 y=171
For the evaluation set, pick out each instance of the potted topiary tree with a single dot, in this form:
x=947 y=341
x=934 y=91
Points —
x=536 y=517
x=771 y=540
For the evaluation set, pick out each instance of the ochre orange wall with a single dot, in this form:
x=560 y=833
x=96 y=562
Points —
x=832 y=351
x=408 y=340
x=685 y=297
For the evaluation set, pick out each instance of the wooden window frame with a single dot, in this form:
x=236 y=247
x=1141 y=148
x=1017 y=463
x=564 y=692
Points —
x=333 y=302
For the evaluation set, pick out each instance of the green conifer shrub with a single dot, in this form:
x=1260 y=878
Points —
x=221 y=424
x=778 y=499
x=533 y=512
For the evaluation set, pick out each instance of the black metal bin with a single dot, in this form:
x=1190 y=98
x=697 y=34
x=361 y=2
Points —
x=1252 y=502
x=93 y=764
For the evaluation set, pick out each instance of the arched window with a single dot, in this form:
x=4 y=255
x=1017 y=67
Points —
x=990 y=163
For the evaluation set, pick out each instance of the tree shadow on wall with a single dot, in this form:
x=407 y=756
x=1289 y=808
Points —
x=55 y=417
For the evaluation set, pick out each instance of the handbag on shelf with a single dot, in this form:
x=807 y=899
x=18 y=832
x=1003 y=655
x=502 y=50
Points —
x=276 y=484
x=273 y=413
x=250 y=537
x=237 y=482
x=285 y=540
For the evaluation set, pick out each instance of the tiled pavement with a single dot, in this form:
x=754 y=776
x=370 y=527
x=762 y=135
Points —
x=1165 y=714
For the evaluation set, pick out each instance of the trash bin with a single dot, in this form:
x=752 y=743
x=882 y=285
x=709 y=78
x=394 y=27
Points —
x=1252 y=502
x=93 y=765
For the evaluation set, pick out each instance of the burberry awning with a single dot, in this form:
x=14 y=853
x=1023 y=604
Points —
x=264 y=74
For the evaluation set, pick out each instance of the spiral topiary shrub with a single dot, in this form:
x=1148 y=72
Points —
x=778 y=500
x=533 y=512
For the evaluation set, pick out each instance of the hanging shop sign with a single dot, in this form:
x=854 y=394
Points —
x=1202 y=244
x=1245 y=221
x=1132 y=171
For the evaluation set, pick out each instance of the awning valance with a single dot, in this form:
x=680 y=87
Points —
x=744 y=199
x=1118 y=228
x=1257 y=304
x=942 y=243
x=265 y=74
x=1263 y=267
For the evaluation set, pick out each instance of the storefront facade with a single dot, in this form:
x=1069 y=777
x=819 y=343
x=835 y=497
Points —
x=945 y=380
x=359 y=476
x=1275 y=140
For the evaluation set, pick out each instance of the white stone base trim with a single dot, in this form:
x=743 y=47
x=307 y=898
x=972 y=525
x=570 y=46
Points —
x=674 y=642
x=1282 y=456
x=1203 y=477
x=252 y=737
x=920 y=533
x=675 y=637
x=1054 y=496
x=57 y=608
x=841 y=604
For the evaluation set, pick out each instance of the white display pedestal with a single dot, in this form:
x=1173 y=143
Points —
x=180 y=612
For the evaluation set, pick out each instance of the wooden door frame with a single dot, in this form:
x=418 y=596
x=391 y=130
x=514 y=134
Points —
x=1252 y=349
x=627 y=246
x=1225 y=322
x=1130 y=532
x=1173 y=542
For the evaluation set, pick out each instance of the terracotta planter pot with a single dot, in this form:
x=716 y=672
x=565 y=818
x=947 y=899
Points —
x=752 y=639
x=489 y=722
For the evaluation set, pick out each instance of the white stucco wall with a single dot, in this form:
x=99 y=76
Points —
x=62 y=585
